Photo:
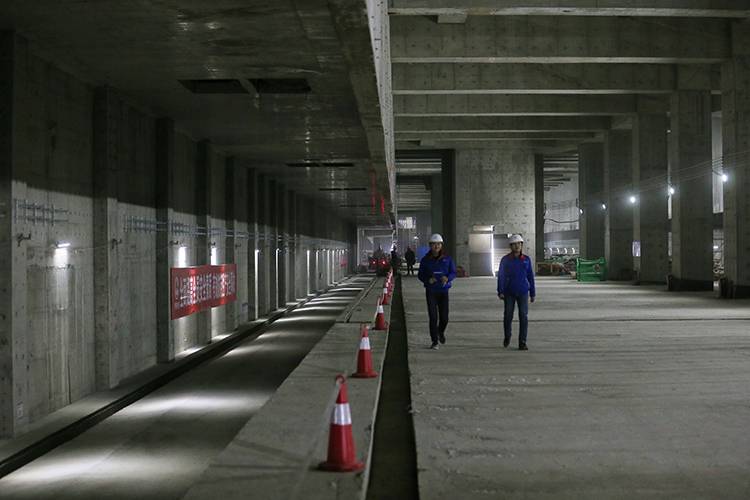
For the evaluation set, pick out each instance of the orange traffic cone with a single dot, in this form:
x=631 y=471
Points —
x=384 y=300
x=341 y=454
x=380 y=323
x=364 y=357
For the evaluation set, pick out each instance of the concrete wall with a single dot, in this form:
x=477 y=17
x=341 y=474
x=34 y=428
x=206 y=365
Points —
x=494 y=187
x=53 y=292
x=128 y=196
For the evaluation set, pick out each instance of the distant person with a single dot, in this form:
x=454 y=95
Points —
x=515 y=284
x=410 y=258
x=378 y=253
x=395 y=259
x=437 y=271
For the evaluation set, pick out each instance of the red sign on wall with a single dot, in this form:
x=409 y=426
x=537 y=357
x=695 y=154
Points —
x=199 y=288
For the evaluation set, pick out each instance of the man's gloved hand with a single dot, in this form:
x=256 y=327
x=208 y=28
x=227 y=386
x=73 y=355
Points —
x=501 y=296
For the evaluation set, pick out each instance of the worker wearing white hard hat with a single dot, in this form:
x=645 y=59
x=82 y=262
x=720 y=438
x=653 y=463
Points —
x=515 y=285
x=437 y=271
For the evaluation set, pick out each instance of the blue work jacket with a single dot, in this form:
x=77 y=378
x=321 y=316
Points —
x=515 y=276
x=431 y=267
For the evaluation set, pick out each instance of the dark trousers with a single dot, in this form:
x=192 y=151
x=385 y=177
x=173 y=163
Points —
x=409 y=268
x=523 y=313
x=437 y=309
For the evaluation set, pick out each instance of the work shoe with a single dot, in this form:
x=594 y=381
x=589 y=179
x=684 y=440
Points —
x=506 y=342
x=435 y=346
x=522 y=347
x=442 y=338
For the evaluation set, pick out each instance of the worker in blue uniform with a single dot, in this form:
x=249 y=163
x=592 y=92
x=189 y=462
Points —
x=515 y=285
x=437 y=271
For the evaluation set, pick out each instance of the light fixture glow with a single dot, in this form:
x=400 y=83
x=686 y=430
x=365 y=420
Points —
x=670 y=190
x=716 y=247
x=62 y=244
x=604 y=206
x=580 y=211
x=724 y=177
x=632 y=200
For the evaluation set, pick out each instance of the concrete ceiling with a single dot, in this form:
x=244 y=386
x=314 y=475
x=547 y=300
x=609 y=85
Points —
x=144 y=48
x=547 y=75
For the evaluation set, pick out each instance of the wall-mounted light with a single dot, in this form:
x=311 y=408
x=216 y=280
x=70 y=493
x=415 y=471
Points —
x=580 y=211
x=716 y=247
x=670 y=190
x=604 y=206
x=724 y=177
x=632 y=200
x=62 y=244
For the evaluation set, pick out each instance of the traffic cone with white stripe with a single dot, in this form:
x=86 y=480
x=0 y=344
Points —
x=384 y=299
x=364 y=357
x=341 y=454
x=380 y=323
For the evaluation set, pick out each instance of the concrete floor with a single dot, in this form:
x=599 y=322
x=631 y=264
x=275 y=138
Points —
x=626 y=392
x=159 y=446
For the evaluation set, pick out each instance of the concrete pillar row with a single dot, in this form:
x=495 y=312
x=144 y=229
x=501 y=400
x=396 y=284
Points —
x=165 y=169
x=618 y=220
x=203 y=243
x=735 y=106
x=650 y=212
x=251 y=199
x=107 y=233
x=291 y=260
x=692 y=203
x=591 y=199
x=539 y=208
x=232 y=199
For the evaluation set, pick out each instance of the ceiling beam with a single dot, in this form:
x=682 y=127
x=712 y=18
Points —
x=468 y=79
x=499 y=136
x=527 y=105
x=503 y=124
x=539 y=39
x=652 y=8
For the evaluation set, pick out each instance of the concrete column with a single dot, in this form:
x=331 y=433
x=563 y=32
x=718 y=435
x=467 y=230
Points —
x=539 y=207
x=591 y=199
x=436 y=205
x=264 y=257
x=618 y=220
x=273 y=244
x=651 y=223
x=253 y=248
x=448 y=178
x=282 y=205
x=692 y=206
x=735 y=108
x=300 y=249
x=291 y=246
x=108 y=229
x=203 y=243
x=231 y=197
x=165 y=165
x=9 y=397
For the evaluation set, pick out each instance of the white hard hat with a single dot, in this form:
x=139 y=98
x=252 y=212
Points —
x=516 y=238
x=436 y=238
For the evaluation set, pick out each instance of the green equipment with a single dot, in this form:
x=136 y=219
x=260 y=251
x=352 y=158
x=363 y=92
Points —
x=591 y=270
